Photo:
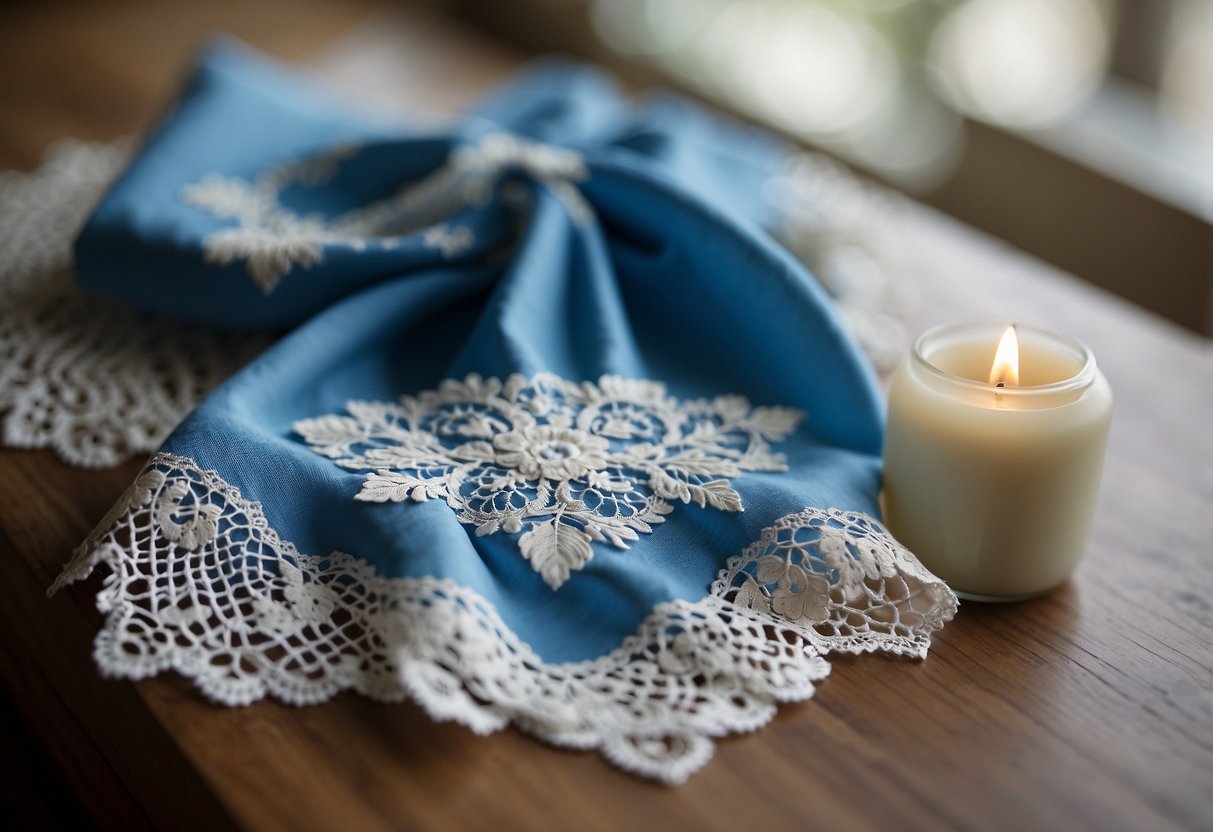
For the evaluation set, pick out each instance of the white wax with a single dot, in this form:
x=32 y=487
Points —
x=994 y=489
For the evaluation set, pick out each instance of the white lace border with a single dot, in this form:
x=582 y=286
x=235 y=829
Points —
x=199 y=582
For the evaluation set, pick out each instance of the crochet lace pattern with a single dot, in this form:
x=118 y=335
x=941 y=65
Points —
x=93 y=381
x=198 y=581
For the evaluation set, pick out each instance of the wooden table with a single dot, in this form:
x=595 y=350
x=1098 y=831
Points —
x=1091 y=708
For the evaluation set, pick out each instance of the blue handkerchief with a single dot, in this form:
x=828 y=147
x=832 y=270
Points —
x=556 y=435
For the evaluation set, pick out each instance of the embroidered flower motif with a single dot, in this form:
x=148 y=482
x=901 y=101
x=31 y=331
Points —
x=271 y=239
x=551 y=453
x=573 y=464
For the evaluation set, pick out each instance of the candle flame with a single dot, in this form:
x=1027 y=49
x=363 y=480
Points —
x=1005 y=370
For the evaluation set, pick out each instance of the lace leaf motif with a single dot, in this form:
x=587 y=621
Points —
x=198 y=581
x=573 y=464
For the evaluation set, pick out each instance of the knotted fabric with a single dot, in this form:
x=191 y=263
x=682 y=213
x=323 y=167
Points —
x=556 y=433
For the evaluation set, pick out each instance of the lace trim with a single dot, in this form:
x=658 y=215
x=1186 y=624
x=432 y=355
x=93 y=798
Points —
x=575 y=463
x=94 y=382
x=199 y=582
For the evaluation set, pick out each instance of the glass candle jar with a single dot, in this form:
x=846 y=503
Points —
x=991 y=476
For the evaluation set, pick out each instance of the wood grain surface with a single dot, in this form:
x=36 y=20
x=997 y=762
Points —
x=1091 y=708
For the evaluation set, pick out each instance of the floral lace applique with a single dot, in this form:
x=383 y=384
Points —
x=573 y=464
x=271 y=239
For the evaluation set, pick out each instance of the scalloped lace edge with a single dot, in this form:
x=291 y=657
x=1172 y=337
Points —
x=199 y=582
x=91 y=379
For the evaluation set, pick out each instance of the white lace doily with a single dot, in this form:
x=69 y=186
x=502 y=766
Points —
x=95 y=382
x=198 y=581
x=844 y=230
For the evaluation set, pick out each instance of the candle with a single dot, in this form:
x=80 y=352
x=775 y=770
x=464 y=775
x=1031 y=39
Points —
x=992 y=459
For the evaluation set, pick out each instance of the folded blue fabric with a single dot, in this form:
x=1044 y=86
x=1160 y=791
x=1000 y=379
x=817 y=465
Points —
x=548 y=357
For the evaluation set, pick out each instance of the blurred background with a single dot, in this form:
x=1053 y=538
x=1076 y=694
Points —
x=1078 y=130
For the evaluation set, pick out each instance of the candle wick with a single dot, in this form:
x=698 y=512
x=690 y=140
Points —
x=1001 y=384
